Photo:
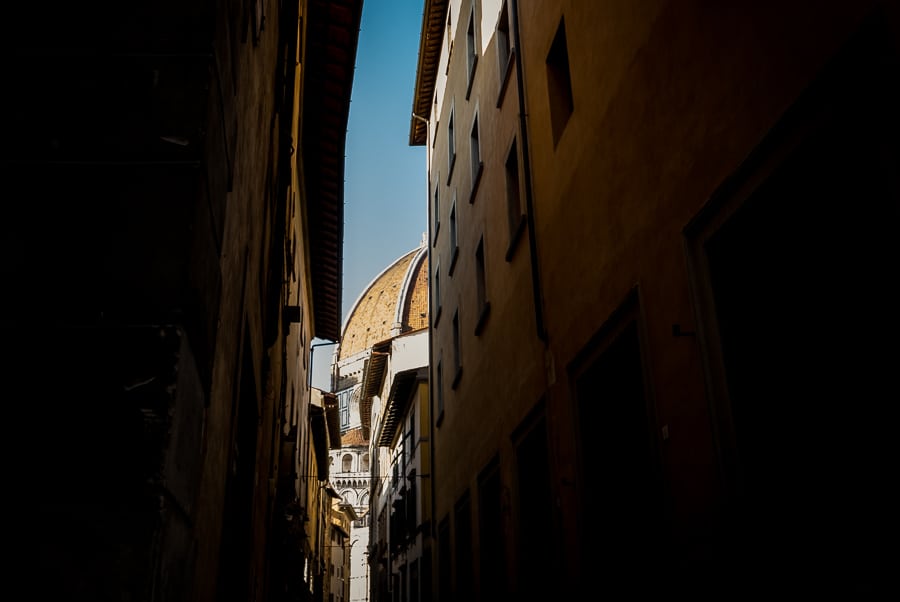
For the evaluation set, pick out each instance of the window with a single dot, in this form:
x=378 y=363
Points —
x=464 y=568
x=347 y=460
x=258 y=18
x=449 y=37
x=559 y=83
x=504 y=50
x=445 y=564
x=344 y=406
x=436 y=209
x=436 y=292
x=457 y=355
x=412 y=503
x=475 y=153
x=514 y=213
x=439 y=390
x=535 y=506
x=491 y=536
x=293 y=406
x=451 y=142
x=454 y=242
x=414 y=581
x=449 y=34
x=621 y=449
x=481 y=288
x=365 y=463
x=471 y=51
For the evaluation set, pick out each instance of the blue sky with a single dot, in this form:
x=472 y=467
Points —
x=385 y=201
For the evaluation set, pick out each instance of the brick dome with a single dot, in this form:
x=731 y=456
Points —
x=396 y=301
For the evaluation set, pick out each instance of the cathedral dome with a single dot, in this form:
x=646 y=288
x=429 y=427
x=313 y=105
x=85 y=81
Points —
x=396 y=301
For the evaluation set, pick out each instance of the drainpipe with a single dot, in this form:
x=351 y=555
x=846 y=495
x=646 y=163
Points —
x=529 y=193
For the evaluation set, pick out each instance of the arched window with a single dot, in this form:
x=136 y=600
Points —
x=365 y=463
x=347 y=463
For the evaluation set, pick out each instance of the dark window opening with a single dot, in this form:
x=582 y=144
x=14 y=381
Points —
x=480 y=288
x=559 y=83
x=492 y=542
x=624 y=522
x=465 y=580
x=535 y=514
x=514 y=214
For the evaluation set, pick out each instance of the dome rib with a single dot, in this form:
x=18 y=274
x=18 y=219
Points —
x=401 y=315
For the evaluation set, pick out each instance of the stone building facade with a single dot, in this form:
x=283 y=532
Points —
x=662 y=248
x=173 y=249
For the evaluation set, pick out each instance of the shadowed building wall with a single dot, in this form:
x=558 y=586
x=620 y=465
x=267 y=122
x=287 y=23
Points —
x=662 y=255
x=173 y=249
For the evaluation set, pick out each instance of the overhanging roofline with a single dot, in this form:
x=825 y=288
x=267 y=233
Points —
x=372 y=378
x=430 y=39
x=373 y=374
x=329 y=489
x=349 y=510
x=332 y=35
x=402 y=389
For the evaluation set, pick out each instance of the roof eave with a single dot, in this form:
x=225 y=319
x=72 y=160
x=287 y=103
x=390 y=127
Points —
x=402 y=391
x=332 y=35
x=430 y=39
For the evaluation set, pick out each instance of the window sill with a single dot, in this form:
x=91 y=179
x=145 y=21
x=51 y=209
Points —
x=453 y=261
x=514 y=239
x=471 y=76
x=504 y=83
x=437 y=318
x=482 y=317
x=450 y=171
x=476 y=180
x=449 y=56
x=456 y=378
